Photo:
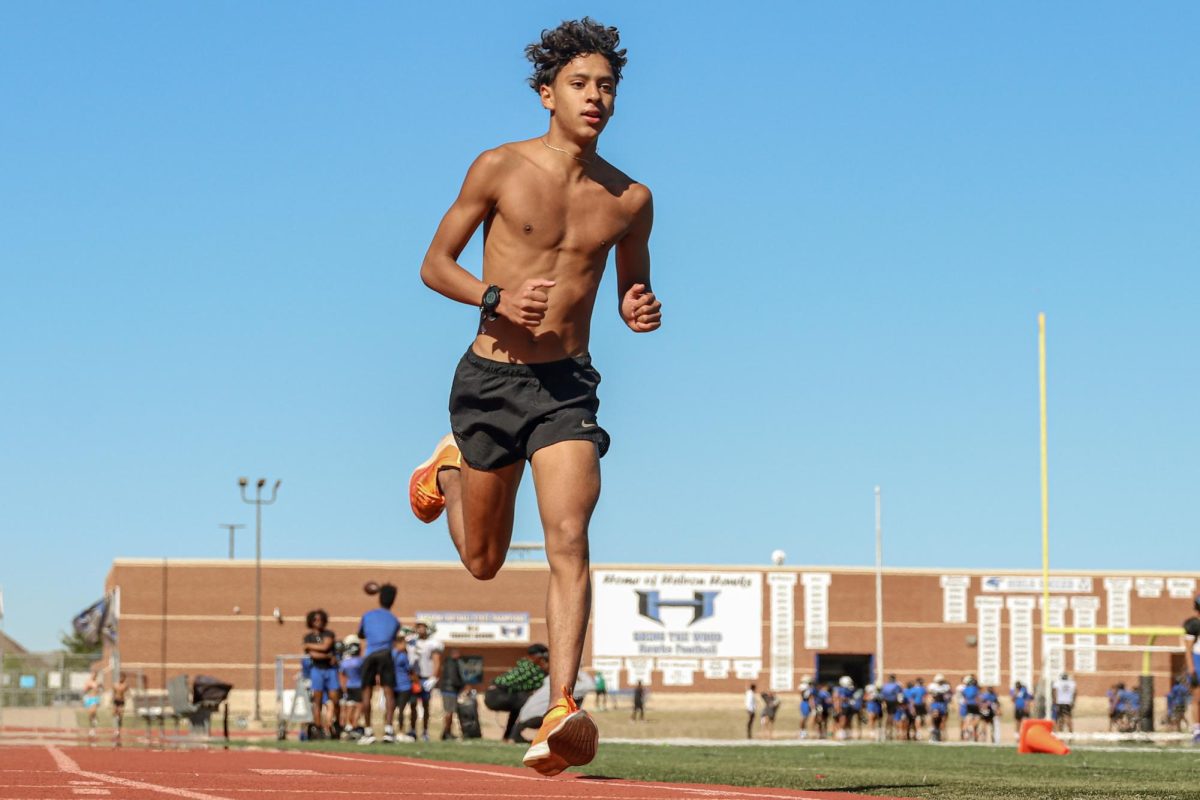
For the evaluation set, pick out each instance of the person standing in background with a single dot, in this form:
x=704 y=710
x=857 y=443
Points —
x=378 y=629
x=425 y=653
x=449 y=687
x=601 y=693
x=639 y=702
x=751 y=704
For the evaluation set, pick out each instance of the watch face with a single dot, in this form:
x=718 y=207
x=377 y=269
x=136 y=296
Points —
x=491 y=297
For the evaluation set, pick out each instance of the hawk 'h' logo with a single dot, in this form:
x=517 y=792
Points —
x=649 y=604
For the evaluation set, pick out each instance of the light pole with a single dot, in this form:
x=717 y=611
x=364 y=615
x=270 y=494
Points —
x=231 y=528
x=258 y=503
x=878 y=587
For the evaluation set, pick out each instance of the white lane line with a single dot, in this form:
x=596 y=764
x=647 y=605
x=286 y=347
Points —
x=88 y=790
x=67 y=764
x=384 y=760
x=285 y=771
x=85 y=783
x=690 y=790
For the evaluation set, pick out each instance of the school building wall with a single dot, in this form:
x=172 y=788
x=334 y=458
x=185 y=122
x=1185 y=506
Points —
x=709 y=629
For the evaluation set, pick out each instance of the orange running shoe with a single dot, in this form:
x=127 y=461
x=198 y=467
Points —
x=423 y=493
x=567 y=738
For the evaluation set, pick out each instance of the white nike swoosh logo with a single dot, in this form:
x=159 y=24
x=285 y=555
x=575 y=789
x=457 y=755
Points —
x=587 y=424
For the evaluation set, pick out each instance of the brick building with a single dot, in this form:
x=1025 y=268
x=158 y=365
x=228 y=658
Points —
x=678 y=628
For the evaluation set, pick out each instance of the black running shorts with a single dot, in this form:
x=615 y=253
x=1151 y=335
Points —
x=502 y=413
x=379 y=664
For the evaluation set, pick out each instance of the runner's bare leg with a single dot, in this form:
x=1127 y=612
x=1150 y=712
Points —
x=567 y=478
x=479 y=513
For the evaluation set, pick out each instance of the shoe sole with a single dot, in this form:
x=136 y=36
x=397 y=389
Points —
x=572 y=743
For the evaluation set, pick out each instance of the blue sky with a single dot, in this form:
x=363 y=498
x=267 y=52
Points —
x=214 y=215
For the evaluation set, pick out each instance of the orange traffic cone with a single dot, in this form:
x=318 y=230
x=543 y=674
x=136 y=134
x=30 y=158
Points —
x=1036 y=737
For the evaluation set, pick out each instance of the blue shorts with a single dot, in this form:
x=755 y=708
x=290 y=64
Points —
x=805 y=708
x=1196 y=663
x=91 y=701
x=874 y=708
x=324 y=679
x=938 y=708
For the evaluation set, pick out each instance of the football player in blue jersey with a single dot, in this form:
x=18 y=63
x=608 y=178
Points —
x=891 y=693
x=940 y=695
x=806 y=705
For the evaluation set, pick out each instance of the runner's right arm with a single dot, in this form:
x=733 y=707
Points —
x=523 y=305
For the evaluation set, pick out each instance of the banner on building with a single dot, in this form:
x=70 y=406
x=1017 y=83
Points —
x=480 y=627
x=988 y=645
x=1020 y=638
x=1083 y=612
x=673 y=614
x=954 y=597
x=1117 y=590
x=1149 y=587
x=816 y=610
x=1181 y=588
x=1053 y=642
x=747 y=669
x=783 y=626
x=610 y=668
x=1062 y=584
x=638 y=670
x=715 y=668
x=678 y=671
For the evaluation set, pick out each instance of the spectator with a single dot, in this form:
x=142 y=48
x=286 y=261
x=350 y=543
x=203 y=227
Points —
x=449 y=687
x=806 y=705
x=93 y=690
x=843 y=706
x=989 y=712
x=407 y=680
x=510 y=691
x=601 y=692
x=379 y=628
x=1177 y=703
x=823 y=709
x=639 y=702
x=890 y=693
x=920 y=704
x=322 y=674
x=969 y=709
x=1114 y=698
x=1063 y=691
x=770 y=707
x=350 y=671
x=1022 y=700
x=119 y=690
x=751 y=704
x=425 y=653
x=873 y=705
x=939 y=707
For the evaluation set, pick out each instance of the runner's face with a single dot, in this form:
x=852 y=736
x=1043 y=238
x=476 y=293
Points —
x=582 y=96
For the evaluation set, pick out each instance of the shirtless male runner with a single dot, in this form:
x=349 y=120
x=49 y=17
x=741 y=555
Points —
x=552 y=209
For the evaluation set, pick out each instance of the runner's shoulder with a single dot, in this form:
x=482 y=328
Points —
x=630 y=190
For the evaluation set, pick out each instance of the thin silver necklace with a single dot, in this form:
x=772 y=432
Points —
x=559 y=149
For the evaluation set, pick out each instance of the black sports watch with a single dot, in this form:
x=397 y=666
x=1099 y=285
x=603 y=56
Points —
x=491 y=300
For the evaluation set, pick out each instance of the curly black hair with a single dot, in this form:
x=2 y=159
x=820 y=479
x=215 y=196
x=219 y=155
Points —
x=574 y=37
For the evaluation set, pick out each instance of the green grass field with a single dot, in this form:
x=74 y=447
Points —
x=896 y=769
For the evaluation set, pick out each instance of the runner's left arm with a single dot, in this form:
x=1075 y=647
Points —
x=639 y=307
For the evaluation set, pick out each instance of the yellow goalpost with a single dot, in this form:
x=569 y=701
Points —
x=1152 y=631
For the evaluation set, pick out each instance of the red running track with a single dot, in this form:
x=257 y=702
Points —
x=51 y=772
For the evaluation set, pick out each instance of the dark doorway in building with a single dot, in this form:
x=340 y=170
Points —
x=832 y=666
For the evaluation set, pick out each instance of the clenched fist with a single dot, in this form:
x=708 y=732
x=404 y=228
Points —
x=640 y=309
x=527 y=305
